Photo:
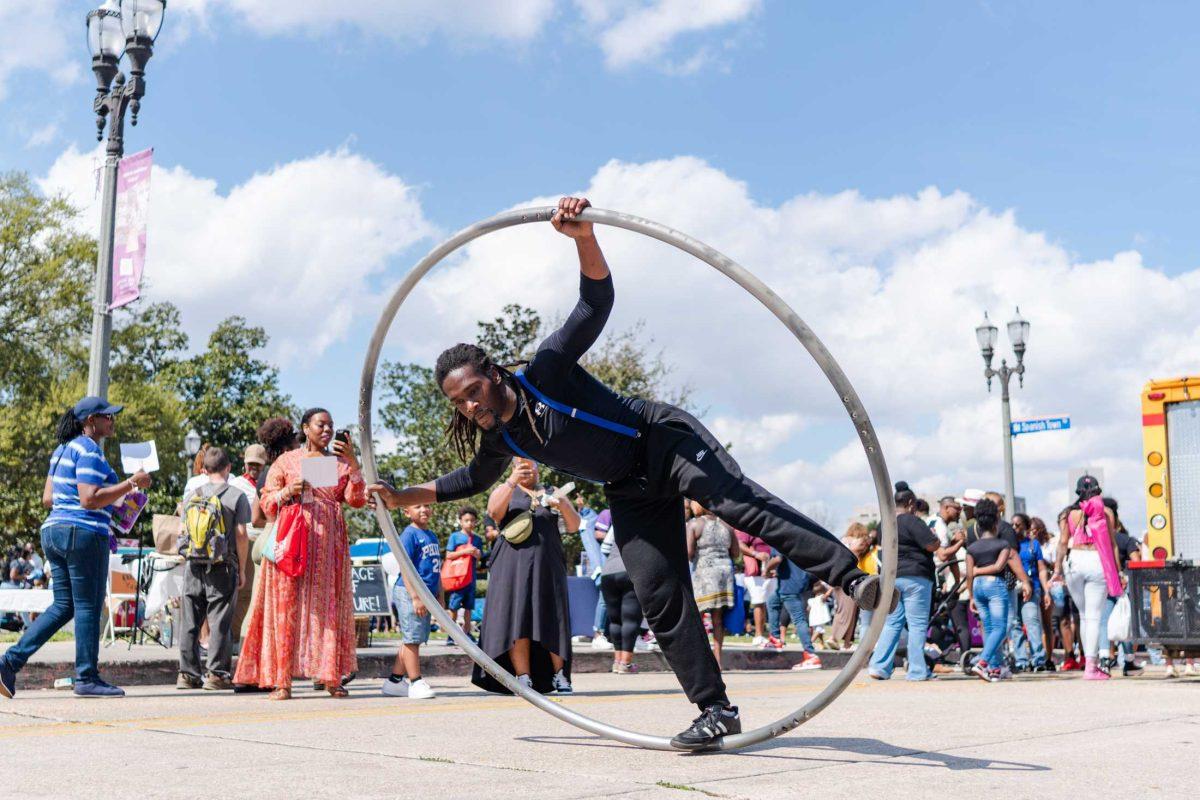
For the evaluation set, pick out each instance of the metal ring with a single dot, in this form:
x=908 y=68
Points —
x=740 y=276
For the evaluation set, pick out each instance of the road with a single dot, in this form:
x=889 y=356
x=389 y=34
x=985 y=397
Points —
x=1044 y=735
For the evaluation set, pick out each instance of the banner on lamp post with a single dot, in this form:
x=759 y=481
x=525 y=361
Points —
x=129 y=235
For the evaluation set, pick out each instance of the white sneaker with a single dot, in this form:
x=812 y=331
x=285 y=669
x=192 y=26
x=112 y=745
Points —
x=1171 y=672
x=601 y=642
x=525 y=681
x=645 y=644
x=561 y=684
x=758 y=641
x=420 y=690
x=393 y=688
x=1191 y=670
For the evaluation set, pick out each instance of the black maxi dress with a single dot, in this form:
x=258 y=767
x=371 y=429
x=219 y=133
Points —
x=527 y=599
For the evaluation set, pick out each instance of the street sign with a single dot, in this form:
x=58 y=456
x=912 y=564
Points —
x=1038 y=425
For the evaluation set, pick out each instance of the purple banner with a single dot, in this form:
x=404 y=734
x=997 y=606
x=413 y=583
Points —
x=129 y=237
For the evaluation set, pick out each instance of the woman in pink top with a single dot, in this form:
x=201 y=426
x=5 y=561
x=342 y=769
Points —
x=1090 y=568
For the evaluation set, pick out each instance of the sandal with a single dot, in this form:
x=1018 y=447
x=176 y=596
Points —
x=280 y=694
x=337 y=691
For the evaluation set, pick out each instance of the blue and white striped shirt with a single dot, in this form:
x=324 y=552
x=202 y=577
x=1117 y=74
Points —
x=79 y=461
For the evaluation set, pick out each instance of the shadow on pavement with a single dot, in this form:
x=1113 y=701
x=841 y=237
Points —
x=878 y=752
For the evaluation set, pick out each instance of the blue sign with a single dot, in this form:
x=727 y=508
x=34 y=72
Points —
x=1039 y=425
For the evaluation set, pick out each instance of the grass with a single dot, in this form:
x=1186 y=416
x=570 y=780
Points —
x=683 y=787
x=7 y=637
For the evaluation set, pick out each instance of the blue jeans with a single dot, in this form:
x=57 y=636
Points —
x=600 y=621
x=912 y=611
x=1028 y=644
x=991 y=601
x=78 y=559
x=797 y=606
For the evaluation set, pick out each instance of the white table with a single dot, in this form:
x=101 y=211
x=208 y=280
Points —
x=29 y=601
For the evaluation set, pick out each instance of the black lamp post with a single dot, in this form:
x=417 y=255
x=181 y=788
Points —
x=118 y=28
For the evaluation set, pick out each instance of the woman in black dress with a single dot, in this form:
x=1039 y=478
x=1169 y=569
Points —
x=526 y=622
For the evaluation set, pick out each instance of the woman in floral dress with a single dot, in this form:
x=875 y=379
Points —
x=304 y=625
x=712 y=548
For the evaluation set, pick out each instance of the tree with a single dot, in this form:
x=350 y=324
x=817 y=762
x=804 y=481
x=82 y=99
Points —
x=45 y=267
x=226 y=391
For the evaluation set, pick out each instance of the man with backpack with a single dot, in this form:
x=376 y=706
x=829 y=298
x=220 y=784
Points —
x=214 y=544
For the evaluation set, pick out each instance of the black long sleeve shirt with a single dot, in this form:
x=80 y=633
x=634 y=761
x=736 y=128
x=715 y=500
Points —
x=569 y=445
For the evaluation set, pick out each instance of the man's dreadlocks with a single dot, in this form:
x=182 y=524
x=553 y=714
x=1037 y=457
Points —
x=462 y=432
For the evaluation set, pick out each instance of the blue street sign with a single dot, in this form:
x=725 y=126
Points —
x=1039 y=425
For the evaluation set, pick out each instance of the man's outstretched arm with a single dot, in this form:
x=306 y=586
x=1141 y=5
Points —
x=483 y=471
x=590 y=314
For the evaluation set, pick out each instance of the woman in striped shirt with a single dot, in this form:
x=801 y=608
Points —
x=81 y=489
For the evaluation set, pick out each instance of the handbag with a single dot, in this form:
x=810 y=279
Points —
x=818 y=613
x=1120 y=621
x=458 y=573
x=264 y=545
x=291 y=541
x=165 y=528
x=518 y=528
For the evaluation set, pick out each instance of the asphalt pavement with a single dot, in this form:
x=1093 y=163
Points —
x=1034 y=736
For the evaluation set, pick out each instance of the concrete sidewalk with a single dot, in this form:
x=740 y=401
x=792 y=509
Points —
x=150 y=664
x=1036 y=736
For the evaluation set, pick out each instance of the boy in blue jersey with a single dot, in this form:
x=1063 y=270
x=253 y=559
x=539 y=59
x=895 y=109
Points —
x=425 y=552
x=464 y=598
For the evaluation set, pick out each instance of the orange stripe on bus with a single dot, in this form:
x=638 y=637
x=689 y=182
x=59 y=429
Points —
x=1152 y=419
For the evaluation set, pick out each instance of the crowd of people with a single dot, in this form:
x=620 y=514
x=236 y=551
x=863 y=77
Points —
x=1032 y=592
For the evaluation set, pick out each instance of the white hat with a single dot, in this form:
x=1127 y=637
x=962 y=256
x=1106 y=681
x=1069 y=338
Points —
x=972 y=496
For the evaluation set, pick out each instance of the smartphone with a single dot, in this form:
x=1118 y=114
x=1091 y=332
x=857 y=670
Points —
x=343 y=435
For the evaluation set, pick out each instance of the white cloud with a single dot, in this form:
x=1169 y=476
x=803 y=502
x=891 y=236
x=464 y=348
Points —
x=628 y=32
x=40 y=37
x=42 y=136
x=295 y=249
x=506 y=20
x=636 y=31
x=894 y=286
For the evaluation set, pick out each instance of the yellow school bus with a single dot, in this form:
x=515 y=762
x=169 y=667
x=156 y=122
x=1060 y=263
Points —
x=1171 y=438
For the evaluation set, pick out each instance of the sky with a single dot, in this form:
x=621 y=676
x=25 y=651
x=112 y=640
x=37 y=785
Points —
x=892 y=170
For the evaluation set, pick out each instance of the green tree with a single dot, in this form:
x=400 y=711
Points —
x=228 y=392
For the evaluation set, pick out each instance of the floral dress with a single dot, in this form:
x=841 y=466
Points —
x=304 y=626
x=712 y=573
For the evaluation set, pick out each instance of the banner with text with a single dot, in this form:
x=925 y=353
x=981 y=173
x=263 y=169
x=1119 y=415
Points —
x=129 y=237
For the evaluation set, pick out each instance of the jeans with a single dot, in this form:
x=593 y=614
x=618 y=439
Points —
x=913 y=611
x=992 y=602
x=78 y=559
x=797 y=606
x=1028 y=644
x=600 y=621
x=1085 y=581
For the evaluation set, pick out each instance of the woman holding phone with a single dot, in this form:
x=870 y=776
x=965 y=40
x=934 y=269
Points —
x=304 y=625
x=80 y=490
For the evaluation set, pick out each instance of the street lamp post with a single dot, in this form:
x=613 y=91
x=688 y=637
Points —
x=117 y=28
x=1018 y=333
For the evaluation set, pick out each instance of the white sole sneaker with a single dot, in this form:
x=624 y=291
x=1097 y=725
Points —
x=421 y=691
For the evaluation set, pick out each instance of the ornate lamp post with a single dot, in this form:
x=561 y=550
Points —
x=118 y=28
x=986 y=334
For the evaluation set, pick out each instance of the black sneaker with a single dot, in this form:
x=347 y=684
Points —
x=8 y=680
x=1130 y=668
x=716 y=721
x=865 y=591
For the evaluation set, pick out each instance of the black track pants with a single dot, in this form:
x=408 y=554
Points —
x=682 y=459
